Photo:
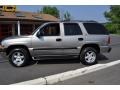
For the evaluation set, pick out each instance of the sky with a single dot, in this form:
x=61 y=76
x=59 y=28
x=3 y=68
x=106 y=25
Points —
x=78 y=12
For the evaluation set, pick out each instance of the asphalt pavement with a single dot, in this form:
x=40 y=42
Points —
x=10 y=74
x=108 y=76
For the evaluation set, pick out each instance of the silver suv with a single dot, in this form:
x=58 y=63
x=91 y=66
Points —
x=53 y=40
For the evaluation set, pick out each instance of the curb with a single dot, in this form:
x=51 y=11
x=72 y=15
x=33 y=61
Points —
x=115 y=35
x=48 y=80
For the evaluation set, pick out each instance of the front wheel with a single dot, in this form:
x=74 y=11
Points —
x=19 y=57
x=88 y=56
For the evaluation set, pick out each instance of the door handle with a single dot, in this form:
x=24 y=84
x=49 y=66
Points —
x=80 y=39
x=58 y=39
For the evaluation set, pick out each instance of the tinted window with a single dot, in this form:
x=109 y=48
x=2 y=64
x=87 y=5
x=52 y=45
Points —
x=72 y=29
x=95 y=28
x=51 y=30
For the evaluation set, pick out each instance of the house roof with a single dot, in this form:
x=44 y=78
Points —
x=22 y=15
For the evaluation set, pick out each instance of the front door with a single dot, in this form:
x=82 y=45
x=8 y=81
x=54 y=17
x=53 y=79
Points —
x=50 y=41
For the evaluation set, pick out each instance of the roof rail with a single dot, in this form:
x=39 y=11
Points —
x=78 y=21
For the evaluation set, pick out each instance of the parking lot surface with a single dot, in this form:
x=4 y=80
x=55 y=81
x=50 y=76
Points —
x=108 y=76
x=10 y=74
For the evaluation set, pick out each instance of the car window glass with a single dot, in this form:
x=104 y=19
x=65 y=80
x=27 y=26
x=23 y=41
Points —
x=95 y=28
x=51 y=30
x=72 y=29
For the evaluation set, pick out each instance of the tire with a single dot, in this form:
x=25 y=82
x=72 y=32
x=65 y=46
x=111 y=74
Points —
x=19 y=57
x=88 y=56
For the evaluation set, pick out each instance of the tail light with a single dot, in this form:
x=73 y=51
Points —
x=109 y=40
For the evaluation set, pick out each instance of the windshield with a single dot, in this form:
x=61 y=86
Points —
x=28 y=29
x=37 y=29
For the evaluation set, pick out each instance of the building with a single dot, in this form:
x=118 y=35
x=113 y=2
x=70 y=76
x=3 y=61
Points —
x=14 y=22
x=8 y=8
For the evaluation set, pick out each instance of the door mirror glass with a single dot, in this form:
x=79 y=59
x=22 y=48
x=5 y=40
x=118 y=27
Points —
x=39 y=34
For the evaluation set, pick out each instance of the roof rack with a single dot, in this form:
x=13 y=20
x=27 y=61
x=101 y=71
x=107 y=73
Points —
x=78 y=21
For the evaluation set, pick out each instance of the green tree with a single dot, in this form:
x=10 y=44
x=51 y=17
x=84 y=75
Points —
x=50 y=10
x=113 y=17
x=67 y=16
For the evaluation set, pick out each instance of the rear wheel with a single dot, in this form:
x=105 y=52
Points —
x=88 y=56
x=19 y=57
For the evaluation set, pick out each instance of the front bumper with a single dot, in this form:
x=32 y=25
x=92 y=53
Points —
x=2 y=49
x=105 y=49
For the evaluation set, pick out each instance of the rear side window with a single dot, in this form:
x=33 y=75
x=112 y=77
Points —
x=72 y=29
x=95 y=28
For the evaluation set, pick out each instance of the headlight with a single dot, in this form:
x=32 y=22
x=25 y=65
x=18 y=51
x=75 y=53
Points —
x=1 y=46
x=2 y=43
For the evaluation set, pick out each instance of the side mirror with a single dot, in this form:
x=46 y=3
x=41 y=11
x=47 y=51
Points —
x=39 y=34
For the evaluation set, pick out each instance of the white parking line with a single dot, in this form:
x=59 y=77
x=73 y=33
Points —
x=67 y=75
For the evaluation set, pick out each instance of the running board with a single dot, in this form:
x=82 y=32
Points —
x=55 y=57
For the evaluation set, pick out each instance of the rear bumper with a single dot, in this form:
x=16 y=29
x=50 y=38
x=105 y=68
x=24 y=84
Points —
x=2 y=49
x=105 y=49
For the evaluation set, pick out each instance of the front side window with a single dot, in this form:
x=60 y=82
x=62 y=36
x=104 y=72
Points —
x=95 y=28
x=51 y=30
x=72 y=29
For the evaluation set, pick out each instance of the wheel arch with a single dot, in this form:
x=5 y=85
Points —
x=95 y=46
x=16 y=46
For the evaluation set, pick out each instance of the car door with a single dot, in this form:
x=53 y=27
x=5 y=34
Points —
x=49 y=43
x=73 y=38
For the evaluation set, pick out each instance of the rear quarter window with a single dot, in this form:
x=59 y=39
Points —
x=95 y=28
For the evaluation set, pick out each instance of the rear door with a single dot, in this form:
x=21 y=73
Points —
x=73 y=38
